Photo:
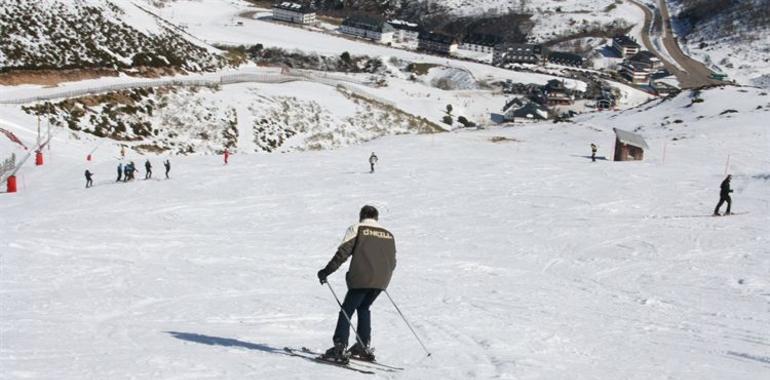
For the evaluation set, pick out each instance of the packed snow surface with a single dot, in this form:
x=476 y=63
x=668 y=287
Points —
x=518 y=256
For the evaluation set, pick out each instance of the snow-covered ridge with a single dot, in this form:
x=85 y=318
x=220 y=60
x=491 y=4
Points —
x=63 y=34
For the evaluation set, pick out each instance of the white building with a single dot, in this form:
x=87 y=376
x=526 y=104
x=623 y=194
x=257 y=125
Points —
x=635 y=73
x=405 y=32
x=508 y=53
x=438 y=43
x=294 y=13
x=647 y=59
x=625 y=46
x=369 y=28
x=481 y=43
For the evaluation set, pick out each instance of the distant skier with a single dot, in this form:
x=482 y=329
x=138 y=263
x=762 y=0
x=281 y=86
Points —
x=131 y=169
x=724 y=196
x=126 y=170
x=227 y=156
x=593 y=152
x=372 y=160
x=120 y=172
x=148 y=170
x=89 y=180
x=374 y=259
x=167 y=165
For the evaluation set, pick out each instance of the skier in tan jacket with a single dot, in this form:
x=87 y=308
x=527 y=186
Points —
x=373 y=251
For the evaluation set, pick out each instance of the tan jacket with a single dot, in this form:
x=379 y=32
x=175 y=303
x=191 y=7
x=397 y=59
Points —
x=374 y=256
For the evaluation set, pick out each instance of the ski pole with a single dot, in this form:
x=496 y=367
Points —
x=350 y=323
x=407 y=323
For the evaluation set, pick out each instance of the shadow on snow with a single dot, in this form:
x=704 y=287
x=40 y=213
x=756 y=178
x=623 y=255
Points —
x=225 y=342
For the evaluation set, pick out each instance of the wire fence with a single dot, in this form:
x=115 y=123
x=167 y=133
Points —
x=109 y=88
x=289 y=76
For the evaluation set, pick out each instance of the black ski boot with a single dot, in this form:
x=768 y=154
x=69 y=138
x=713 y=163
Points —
x=336 y=354
x=361 y=352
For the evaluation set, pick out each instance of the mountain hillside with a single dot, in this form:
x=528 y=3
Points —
x=100 y=34
x=730 y=35
x=243 y=118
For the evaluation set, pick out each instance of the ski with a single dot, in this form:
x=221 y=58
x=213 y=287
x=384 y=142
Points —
x=694 y=216
x=317 y=359
x=736 y=213
x=374 y=364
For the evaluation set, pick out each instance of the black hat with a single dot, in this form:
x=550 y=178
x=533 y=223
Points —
x=368 y=212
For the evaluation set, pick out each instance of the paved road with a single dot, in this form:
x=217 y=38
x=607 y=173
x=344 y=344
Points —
x=692 y=73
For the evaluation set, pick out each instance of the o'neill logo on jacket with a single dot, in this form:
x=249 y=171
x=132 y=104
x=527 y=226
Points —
x=375 y=233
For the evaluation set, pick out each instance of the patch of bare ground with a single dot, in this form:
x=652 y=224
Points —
x=248 y=14
x=52 y=78
x=420 y=124
x=330 y=20
x=502 y=139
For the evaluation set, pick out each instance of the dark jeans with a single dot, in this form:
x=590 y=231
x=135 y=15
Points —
x=372 y=168
x=357 y=300
x=722 y=200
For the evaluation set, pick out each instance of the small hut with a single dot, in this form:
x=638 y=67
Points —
x=629 y=146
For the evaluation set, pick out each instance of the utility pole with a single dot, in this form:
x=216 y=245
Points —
x=38 y=131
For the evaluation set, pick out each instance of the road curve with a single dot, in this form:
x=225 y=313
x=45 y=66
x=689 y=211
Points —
x=689 y=72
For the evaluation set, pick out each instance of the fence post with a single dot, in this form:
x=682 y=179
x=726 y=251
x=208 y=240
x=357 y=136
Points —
x=11 y=184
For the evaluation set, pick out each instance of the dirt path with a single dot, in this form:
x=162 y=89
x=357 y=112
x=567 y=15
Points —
x=697 y=73
x=692 y=73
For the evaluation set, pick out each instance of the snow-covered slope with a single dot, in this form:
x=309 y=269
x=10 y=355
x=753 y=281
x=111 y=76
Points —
x=553 y=18
x=479 y=6
x=67 y=34
x=243 y=118
x=518 y=257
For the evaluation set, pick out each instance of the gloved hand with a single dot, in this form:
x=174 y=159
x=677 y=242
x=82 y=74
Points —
x=322 y=274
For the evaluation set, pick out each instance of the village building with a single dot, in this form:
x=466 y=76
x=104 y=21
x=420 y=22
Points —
x=524 y=109
x=629 y=146
x=565 y=59
x=625 y=46
x=517 y=53
x=368 y=27
x=604 y=102
x=481 y=43
x=405 y=32
x=647 y=59
x=604 y=98
x=511 y=87
x=437 y=43
x=294 y=13
x=664 y=89
x=557 y=94
x=635 y=73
